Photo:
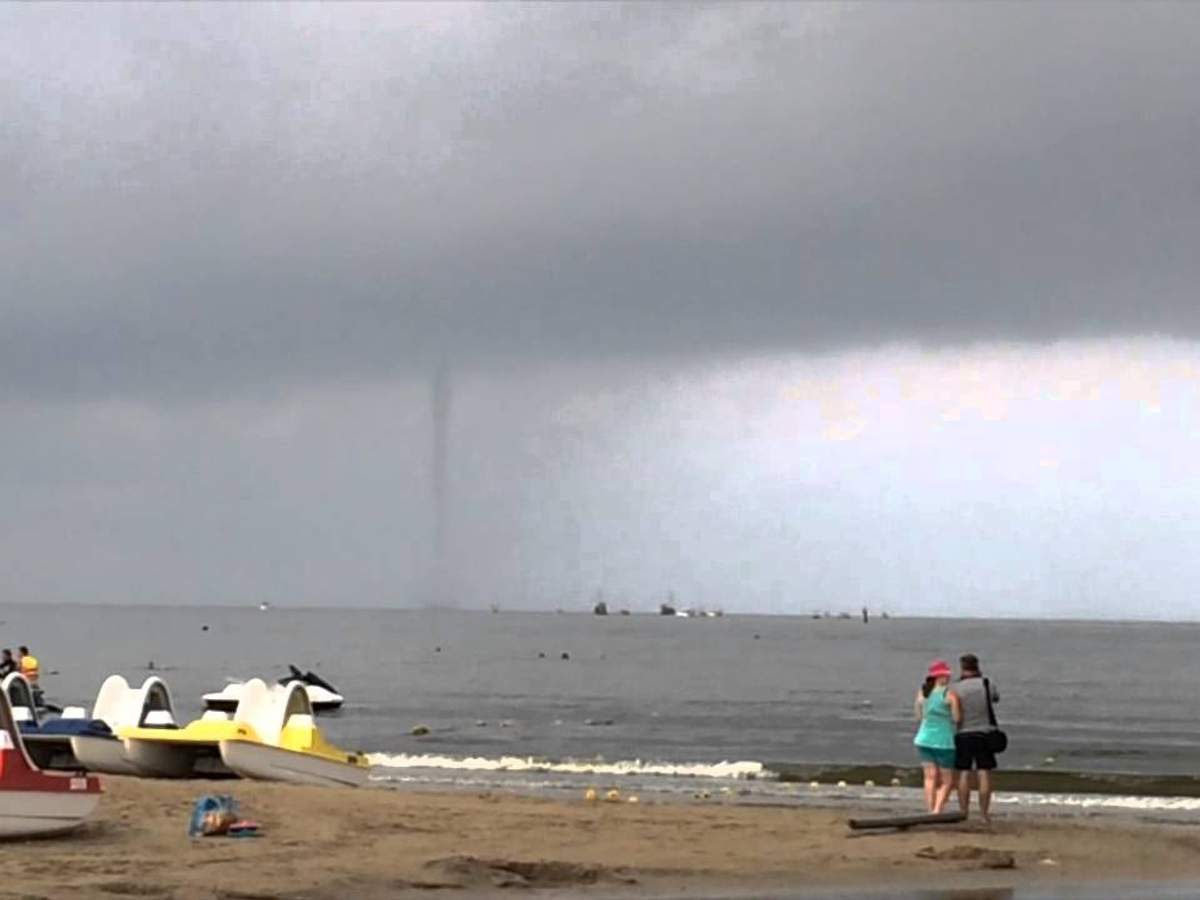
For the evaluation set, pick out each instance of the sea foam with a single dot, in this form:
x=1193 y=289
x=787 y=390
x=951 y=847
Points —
x=742 y=769
x=1102 y=801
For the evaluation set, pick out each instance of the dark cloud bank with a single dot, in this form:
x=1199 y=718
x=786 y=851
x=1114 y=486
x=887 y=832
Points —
x=203 y=200
x=237 y=240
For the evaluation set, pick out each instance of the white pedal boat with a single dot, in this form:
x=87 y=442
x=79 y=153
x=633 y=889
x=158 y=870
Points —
x=121 y=708
x=49 y=740
x=34 y=803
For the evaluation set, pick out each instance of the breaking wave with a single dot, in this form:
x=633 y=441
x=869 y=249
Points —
x=734 y=770
x=1102 y=801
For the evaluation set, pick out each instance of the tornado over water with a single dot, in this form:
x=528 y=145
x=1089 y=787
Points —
x=438 y=586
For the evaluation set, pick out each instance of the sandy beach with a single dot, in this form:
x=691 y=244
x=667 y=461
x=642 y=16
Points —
x=320 y=843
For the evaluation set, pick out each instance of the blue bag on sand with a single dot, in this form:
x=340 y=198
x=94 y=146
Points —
x=212 y=814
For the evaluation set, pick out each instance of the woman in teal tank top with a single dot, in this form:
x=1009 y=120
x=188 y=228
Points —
x=937 y=710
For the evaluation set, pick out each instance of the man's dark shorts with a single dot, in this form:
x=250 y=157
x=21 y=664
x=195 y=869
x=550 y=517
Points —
x=971 y=751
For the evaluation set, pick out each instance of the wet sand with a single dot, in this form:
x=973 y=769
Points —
x=327 y=843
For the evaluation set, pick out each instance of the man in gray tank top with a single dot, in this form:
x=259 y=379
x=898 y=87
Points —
x=973 y=756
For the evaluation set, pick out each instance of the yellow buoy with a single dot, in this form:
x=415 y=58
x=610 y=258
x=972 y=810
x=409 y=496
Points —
x=613 y=796
x=590 y=795
x=634 y=800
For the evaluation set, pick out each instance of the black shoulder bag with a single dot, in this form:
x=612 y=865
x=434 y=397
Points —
x=997 y=739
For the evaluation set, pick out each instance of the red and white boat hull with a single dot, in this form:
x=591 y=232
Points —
x=32 y=802
x=26 y=813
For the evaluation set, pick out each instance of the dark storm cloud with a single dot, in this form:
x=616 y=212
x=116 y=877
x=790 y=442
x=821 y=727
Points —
x=202 y=200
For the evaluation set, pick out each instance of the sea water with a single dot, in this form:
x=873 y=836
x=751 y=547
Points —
x=554 y=701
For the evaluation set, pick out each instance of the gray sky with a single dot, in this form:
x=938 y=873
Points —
x=236 y=239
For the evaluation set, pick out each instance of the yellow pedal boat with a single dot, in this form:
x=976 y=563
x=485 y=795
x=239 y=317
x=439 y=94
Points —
x=271 y=736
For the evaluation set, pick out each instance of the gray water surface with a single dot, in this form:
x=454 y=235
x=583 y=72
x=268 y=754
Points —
x=1083 y=696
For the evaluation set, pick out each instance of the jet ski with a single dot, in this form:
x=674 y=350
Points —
x=322 y=696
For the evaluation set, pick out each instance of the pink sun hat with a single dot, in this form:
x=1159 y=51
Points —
x=939 y=668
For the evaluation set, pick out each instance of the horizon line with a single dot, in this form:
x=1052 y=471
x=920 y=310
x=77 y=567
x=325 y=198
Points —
x=875 y=617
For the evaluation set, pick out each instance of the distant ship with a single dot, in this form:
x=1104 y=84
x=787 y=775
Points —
x=669 y=608
x=264 y=607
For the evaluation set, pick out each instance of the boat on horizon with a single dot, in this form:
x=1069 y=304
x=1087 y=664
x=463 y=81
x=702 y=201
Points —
x=670 y=608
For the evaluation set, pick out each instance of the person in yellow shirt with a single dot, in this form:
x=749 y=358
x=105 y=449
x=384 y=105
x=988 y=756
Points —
x=28 y=664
